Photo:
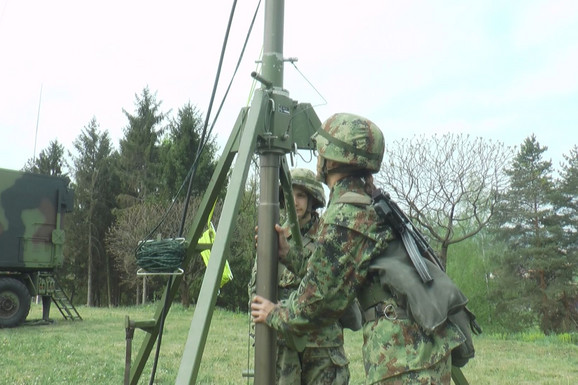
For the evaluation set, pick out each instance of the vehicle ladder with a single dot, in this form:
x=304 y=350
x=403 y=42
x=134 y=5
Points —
x=63 y=303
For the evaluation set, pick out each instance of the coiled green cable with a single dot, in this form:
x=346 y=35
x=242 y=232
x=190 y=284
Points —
x=161 y=256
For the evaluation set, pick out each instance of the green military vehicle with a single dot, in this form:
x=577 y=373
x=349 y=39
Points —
x=32 y=208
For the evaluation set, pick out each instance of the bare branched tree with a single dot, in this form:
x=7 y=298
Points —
x=448 y=185
x=150 y=220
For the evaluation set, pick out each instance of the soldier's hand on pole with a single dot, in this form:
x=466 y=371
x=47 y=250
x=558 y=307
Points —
x=286 y=231
x=283 y=244
x=260 y=309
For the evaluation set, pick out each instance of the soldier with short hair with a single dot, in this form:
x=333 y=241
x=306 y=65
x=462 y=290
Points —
x=396 y=350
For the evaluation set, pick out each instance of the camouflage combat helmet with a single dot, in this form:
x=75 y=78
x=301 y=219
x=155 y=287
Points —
x=352 y=140
x=305 y=179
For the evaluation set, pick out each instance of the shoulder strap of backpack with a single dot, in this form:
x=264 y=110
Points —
x=354 y=198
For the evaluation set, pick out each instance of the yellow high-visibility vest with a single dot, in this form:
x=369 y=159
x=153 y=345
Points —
x=208 y=237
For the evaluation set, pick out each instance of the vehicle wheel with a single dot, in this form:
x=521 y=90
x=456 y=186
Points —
x=14 y=302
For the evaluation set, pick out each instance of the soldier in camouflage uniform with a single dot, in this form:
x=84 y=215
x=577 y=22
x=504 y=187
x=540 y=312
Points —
x=396 y=350
x=323 y=360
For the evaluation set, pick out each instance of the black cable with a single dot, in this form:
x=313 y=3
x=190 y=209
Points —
x=192 y=170
x=191 y=175
x=203 y=136
x=250 y=336
x=161 y=327
x=203 y=142
x=237 y=67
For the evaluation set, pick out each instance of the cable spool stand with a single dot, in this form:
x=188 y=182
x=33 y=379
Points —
x=162 y=257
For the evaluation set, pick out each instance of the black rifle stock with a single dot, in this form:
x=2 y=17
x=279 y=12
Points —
x=390 y=212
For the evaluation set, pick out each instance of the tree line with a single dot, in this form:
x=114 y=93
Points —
x=124 y=196
x=502 y=219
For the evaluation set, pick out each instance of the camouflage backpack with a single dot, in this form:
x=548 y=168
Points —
x=429 y=304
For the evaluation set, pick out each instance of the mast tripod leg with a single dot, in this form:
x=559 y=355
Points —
x=196 y=340
x=198 y=226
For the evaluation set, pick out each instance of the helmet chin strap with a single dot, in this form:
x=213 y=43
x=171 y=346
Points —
x=322 y=171
x=308 y=211
x=309 y=204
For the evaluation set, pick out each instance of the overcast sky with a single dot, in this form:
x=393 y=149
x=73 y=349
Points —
x=497 y=69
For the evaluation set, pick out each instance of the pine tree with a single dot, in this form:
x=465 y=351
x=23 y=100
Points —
x=139 y=151
x=179 y=151
x=95 y=191
x=566 y=306
x=50 y=161
x=528 y=284
x=569 y=196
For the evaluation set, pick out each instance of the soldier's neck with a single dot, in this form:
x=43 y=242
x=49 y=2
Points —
x=304 y=219
x=333 y=178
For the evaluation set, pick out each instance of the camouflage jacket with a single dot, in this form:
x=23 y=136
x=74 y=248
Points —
x=338 y=271
x=330 y=335
x=290 y=275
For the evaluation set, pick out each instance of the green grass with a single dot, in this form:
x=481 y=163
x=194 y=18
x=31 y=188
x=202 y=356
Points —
x=92 y=352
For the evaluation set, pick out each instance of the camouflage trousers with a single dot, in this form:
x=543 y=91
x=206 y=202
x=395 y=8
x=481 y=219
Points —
x=438 y=374
x=313 y=366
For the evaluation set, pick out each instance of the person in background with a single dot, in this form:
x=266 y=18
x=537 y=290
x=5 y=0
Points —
x=396 y=350
x=320 y=358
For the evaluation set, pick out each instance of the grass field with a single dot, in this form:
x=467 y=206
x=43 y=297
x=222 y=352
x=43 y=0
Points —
x=92 y=352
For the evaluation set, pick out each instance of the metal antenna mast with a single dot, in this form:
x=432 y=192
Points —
x=37 y=121
x=268 y=213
